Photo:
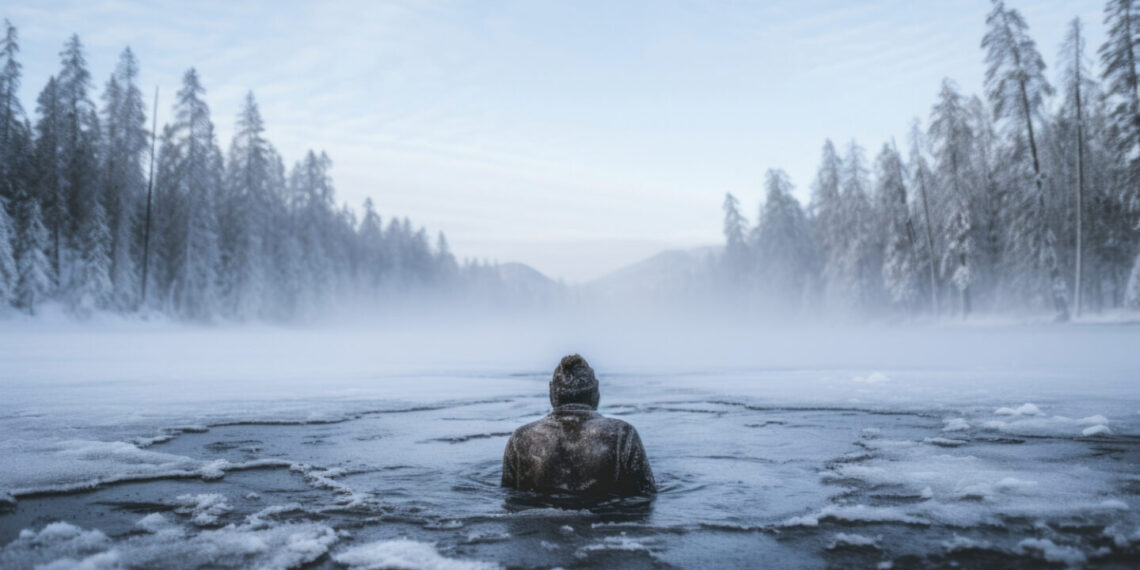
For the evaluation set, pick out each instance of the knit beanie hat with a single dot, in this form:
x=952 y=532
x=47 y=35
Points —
x=573 y=381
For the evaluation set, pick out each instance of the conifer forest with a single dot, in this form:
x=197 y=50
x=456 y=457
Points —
x=1025 y=198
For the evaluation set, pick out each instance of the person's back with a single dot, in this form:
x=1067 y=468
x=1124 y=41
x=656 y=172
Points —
x=576 y=450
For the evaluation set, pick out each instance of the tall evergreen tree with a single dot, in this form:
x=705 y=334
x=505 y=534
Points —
x=952 y=137
x=80 y=150
x=11 y=113
x=736 y=246
x=1016 y=85
x=31 y=245
x=371 y=235
x=246 y=218
x=784 y=254
x=49 y=172
x=858 y=282
x=1120 y=60
x=125 y=148
x=8 y=275
x=826 y=211
x=900 y=263
x=922 y=179
x=445 y=260
x=198 y=171
x=1077 y=85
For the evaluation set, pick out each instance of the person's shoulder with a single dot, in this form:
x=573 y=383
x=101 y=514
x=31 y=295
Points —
x=524 y=430
x=614 y=425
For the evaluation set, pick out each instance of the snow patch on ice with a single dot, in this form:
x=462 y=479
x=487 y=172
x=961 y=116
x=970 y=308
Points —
x=203 y=509
x=63 y=545
x=1051 y=552
x=945 y=441
x=153 y=522
x=1114 y=505
x=960 y=543
x=1026 y=409
x=872 y=378
x=262 y=518
x=955 y=424
x=1040 y=424
x=842 y=540
x=478 y=536
x=325 y=478
x=855 y=513
x=60 y=466
x=59 y=545
x=1121 y=538
x=621 y=542
x=404 y=554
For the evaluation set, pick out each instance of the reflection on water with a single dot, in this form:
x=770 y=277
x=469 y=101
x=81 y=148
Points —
x=739 y=483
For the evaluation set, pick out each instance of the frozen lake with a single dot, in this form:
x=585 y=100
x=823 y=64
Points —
x=147 y=445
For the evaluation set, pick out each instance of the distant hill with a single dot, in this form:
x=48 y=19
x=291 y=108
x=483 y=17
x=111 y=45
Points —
x=522 y=277
x=669 y=273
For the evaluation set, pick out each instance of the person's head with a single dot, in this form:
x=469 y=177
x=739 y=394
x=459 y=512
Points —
x=574 y=383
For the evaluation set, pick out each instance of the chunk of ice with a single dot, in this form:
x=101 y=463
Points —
x=844 y=539
x=1026 y=409
x=872 y=378
x=403 y=554
x=1051 y=552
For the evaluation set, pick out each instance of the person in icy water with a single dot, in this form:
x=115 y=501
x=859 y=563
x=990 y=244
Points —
x=575 y=450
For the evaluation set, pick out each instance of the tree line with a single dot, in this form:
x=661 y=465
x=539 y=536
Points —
x=217 y=235
x=1024 y=198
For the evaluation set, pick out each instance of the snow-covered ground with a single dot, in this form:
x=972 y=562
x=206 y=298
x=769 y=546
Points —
x=131 y=444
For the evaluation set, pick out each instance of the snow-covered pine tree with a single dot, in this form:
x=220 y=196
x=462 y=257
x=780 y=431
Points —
x=783 y=246
x=8 y=275
x=922 y=180
x=736 y=256
x=1132 y=290
x=861 y=236
x=168 y=227
x=48 y=162
x=1110 y=234
x=956 y=263
x=446 y=267
x=988 y=199
x=80 y=154
x=1016 y=86
x=826 y=211
x=30 y=249
x=11 y=113
x=901 y=272
x=245 y=219
x=125 y=144
x=1078 y=90
x=90 y=287
x=1120 y=67
x=952 y=139
x=195 y=292
x=371 y=238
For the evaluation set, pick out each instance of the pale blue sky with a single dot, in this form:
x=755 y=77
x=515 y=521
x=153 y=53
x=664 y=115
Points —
x=572 y=136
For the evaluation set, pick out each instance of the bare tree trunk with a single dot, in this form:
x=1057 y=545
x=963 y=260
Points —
x=929 y=243
x=1080 y=171
x=149 y=192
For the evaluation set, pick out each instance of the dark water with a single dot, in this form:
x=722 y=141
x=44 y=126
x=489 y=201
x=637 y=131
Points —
x=741 y=485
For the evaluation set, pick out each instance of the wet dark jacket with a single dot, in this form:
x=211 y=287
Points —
x=578 y=451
